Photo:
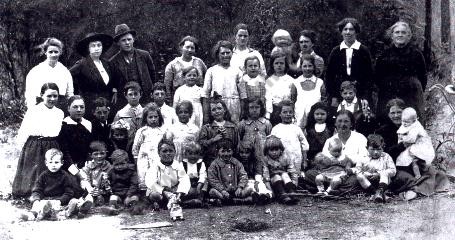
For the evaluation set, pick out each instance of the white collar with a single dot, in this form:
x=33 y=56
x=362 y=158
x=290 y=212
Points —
x=174 y=164
x=355 y=45
x=84 y=122
x=312 y=78
x=198 y=161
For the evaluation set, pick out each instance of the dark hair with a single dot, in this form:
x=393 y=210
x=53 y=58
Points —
x=218 y=46
x=166 y=141
x=272 y=142
x=159 y=86
x=350 y=116
x=100 y=102
x=133 y=85
x=189 y=39
x=341 y=24
x=396 y=102
x=254 y=57
x=97 y=146
x=152 y=107
x=311 y=121
x=309 y=34
x=74 y=98
x=49 y=85
x=215 y=100
x=309 y=57
x=188 y=69
x=273 y=57
x=242 y=26
x=375 y=141
x=183 y=103
x=257 y=101
x=225 y=143
x=193 y=147
x=348 y=85
x=286 y=103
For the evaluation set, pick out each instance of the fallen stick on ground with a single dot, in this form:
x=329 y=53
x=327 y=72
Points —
x=148 y=225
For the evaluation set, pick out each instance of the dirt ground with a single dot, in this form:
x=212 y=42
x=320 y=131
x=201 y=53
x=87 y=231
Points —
x=425 y=218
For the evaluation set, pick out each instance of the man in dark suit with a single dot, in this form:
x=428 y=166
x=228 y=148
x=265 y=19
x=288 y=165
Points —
x=133 y=64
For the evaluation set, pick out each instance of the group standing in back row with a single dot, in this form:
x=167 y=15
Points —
x=230 y=132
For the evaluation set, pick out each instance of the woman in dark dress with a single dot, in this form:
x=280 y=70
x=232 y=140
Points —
x=401 y=72
x=404 y=182
x=37 y=134
x=94 y=76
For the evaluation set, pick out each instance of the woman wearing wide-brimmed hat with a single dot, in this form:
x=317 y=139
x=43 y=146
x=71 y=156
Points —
x=93 y=76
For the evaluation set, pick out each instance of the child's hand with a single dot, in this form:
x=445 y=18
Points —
x=225 y=194
x=199 y=188
x=238 y=192
x=217 y=137
x=95 y=192
x=302 y=174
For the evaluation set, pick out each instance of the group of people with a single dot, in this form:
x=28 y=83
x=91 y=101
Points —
x=110 y=134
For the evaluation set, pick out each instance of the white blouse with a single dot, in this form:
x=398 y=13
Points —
x=42 y=121
x=43 y=73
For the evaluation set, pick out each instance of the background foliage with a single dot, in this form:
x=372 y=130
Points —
x=160 y=24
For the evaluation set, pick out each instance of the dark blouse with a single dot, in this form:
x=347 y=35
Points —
x=389 y=132
x=74 y=140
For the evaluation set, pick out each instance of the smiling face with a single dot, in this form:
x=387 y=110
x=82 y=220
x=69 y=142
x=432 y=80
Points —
x=225 y=153
x=395 y=113
x=167 y=154
x=307 y=68
x=252 y=68
x=306 y=45
x=224 y=56
x=188 y=49
x=217 y=111
x=126 y=42
x=343 y=123
x=53 y=53
x=348 y=95
x=77 y=109
x=50 y=98
x=348 y=33
x=98 y=157
x=95 y=49
x=191 y=77
x=400 y=36
x=241 y=38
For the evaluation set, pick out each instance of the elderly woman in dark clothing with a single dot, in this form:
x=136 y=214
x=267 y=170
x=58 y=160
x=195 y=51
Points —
x=404 y=182
x=401 y=71
x=93 y=76
x=349 y=61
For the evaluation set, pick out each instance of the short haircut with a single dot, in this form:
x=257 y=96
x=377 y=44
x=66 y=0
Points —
x=49 y=85
x=101 y=102
x=74 y=98
x=273 y=57
x=242 y=26
x=272 y=142
x=259 y=102
x=159 y=86
x=192 y=147
x=166 y=141
x=189 y=39
x=188 y=69
x=281 y=33
x=347 y=85
x=249 y=58
x=225 y=143
x=96 y=146
x=215 y=100
x=133 y=85
x=350 y=116
x=186 y=104
x=286 y=103
x=310 y=58
x=375 y=141
x=218 y=46
x=51 y=153
x=341 y=24
x=152 y=107
x=309 y=34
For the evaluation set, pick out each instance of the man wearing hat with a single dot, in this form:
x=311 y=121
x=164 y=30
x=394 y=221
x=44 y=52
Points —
x=133 y=64
x=92 y=75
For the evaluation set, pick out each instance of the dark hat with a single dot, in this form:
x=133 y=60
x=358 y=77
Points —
x=121 y=30
x=82 y=45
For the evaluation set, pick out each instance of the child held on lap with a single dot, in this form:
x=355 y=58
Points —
x=226 y=175
x=52 y=190
x=279 y=172
x=333 y=167
x=419 y=151
x=197 y=172
x=292 y=137
x=254 y=168
x=94 y=175
x=166 y=180
x=377 y=167
x=131 y=115
x=145 y=146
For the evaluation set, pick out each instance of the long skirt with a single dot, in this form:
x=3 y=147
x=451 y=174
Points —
x=431 y=181
x=31 y=164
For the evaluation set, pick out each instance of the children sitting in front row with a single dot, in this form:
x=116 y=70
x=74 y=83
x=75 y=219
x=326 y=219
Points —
x=419 y=151
x=196 y=170
x=52 y=191
x=227 y=177
x=333 y=167
x=374 y=172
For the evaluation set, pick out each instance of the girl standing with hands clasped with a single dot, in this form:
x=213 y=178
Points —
x=38 y=139
x=278 y=87
x=145 y=146
x=310 y=89
x=191 y=92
